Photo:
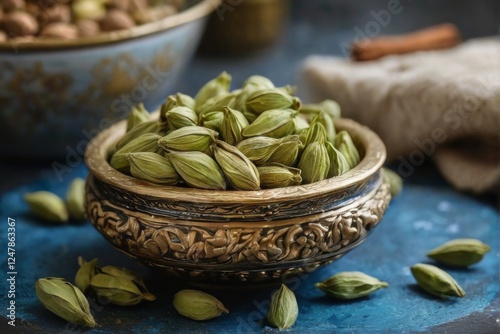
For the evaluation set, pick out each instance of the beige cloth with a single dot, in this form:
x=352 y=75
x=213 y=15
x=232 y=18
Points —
x=443 y=105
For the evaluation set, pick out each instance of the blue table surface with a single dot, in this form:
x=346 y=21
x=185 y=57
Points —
x=427 y=213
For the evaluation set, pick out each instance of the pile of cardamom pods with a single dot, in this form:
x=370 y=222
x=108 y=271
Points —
x=258 y=136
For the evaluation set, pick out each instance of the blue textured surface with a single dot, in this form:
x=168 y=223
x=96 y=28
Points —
x=422 y=217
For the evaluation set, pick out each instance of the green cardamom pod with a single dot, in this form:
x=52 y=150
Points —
x=75 y=199
x=329 y=107
x=256 y=82
x=138 y=130
x=278 y=176
x=350 y=285
x=274 y=123
x=240 y=171
x=153 y=167
x=198 y=305
x=85 y=273
x=314 y=163
x=460 y=252
x=315 y=133
x=212 y=120
x=147 y=142
x=327 y=121
x=288 y=151
x=395 y=181
x=232 y=125
x=130 y=275
x=189 y=138
x=179 y=117
x=258 y=149
x=198 y=170
x=138 y=114
x=267 y=99
x=343 y=142
x=435 y=281
x=117 y=290
x=47 y=206
x=338 y=163
x=300 y=123
x=183 y=100
x=170 y=103
x=217 y=103
x=250 y=116
x=284 y=310
x=215 y=87
x=64 y=300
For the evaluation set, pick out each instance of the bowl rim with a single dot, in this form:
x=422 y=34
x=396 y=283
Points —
x=373 y=159
x=200 y=9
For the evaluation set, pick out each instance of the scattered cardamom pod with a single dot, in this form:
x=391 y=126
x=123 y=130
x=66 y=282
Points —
x=130 y=275
x=274 y=123
x=268 y=98
x=215 y=87
x=288 y=151
x=64 y=300
x=460 y=252
x=138 y=114
x=284 y=310
x=314 y=162
x=153 y=167
x=395 y=181
x=277 y=176
x=120 y=286
x=169 y=104
x=47 y=206
x=179 y=117
x=350 y=285
x=240 y=171
x=258 y=149
x=198 y=170
x=189 y=138
x=338 y=163
x=436 y=281
x=198 y=305
x=85 y=273
x=343 y=142
x=136 y=131
x=147 y=142
x=233 y=123
x=75 y=199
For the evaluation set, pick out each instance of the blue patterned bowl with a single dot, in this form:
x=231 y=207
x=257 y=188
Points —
x=55 y=95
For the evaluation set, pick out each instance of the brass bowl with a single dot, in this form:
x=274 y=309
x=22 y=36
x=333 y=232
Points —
x=251 y=236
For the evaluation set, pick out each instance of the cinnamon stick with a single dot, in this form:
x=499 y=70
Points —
x=442 y=36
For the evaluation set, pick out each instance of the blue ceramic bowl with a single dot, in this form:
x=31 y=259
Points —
x=57 y=94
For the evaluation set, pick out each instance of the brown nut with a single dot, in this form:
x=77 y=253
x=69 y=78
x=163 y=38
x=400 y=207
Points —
x=3 y=36
x=20 y=24
x=58 y=13
x=118 y=4
x=59 y=30
x=9 y=5
x=88 y=28
x=115 y=20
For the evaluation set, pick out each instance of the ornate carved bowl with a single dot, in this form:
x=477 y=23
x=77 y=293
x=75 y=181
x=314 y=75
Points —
x=237 y=235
